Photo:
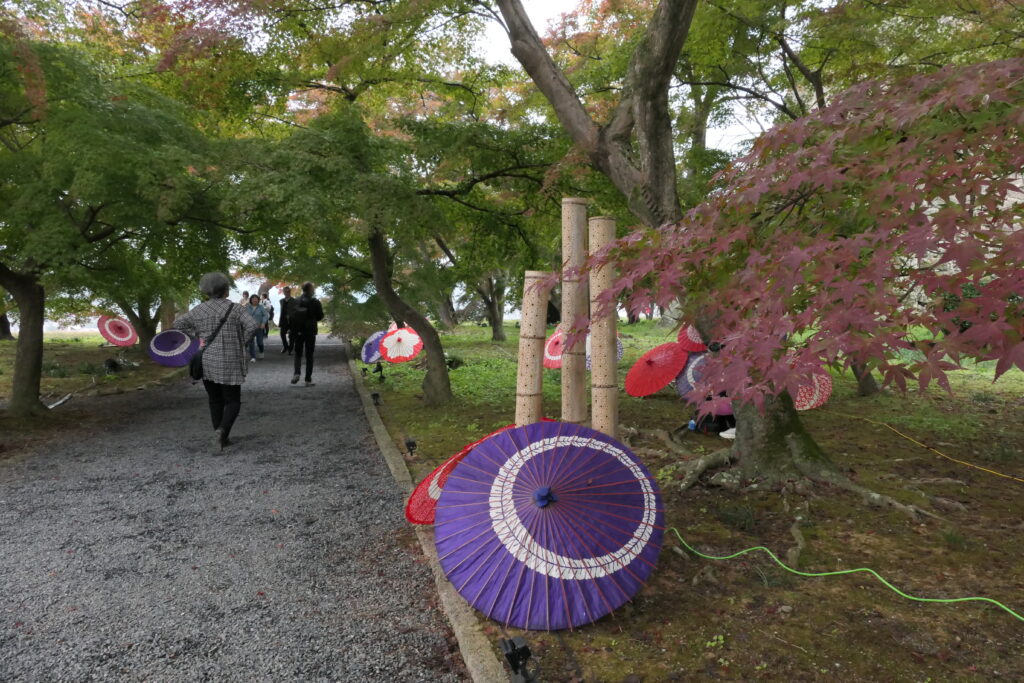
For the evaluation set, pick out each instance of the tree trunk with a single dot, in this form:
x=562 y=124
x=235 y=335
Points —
x=30 y=298
x=866 y=384
x=496 y=317
x=446 y=313
x=437 y=388
x=492 y=291
x=144 y=323
x=635 y=151
x=5 y=328
x=166 y=313
x=774 y=445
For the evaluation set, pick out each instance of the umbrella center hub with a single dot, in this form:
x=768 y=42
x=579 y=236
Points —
x=544 y=496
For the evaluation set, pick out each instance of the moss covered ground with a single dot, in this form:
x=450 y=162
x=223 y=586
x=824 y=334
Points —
x=747 y=619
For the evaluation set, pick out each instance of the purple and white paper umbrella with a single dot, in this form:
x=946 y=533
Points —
x=173 y=348
x=687 y=380
x=371 y=347
x=618 y=350
x=549 y=526
x=693 y=373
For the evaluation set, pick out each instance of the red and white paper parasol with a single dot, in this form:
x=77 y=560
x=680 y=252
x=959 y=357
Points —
x=401 y=345
x=814 y=395
x=655 y=369
x=421 y=504
x=117 y=331
x=553 y=348
x=689 y=339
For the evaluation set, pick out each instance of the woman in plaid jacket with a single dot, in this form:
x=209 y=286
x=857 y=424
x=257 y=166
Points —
x=224 y=360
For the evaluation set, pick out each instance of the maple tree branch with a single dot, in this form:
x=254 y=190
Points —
x=754 y=94
x=444 y=247
x=355 y=269
x=469 y=184
x=550 y=80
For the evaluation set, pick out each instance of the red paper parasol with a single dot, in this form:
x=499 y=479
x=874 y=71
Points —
x=814 y=395
x=420 y=507
x=401 y=345
x=655 y=369
x=689 y=339
x=117 y=331
x=553 y=350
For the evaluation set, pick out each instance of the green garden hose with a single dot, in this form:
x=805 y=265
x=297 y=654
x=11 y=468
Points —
x=779 y=562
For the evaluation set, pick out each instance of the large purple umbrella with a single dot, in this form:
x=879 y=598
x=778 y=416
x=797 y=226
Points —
x=173 y=348
x=371 y=347
x=549 y=526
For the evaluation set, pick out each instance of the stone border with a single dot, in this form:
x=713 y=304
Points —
x=478 y=654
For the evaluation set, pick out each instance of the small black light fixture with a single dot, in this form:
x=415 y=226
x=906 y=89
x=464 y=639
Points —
x=410 y=445
x=378 y=368
x=517 y=654
x=376 y=398
x=365 y=372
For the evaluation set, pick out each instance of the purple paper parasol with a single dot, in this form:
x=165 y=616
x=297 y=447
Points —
x=173 y=348
x=549 y=526
x=371 y=347
x=687 y=380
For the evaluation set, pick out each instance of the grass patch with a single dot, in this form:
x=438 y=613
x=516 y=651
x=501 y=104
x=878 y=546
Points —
x=75 y=362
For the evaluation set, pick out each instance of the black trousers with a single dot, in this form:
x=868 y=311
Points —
x=225 y=402
x=285 y=338
x=308 y=342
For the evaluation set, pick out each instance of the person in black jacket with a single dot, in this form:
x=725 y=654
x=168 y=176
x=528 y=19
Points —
x=303 y=315
x=283 y=321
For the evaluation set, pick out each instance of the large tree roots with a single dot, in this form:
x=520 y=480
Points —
x=800 y=478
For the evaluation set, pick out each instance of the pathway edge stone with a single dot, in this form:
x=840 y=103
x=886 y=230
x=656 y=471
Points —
x=477 y=653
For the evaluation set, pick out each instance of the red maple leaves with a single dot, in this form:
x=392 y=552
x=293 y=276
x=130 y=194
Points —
x=884 y=230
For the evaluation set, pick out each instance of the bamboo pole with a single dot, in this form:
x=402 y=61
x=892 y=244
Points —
x=574 y=306
x=604 y=363
x=529 y=399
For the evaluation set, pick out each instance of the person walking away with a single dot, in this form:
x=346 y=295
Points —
x=282 y=323
x=265 y=302
x=259 y=314
x=224 y=365
x=303 y=315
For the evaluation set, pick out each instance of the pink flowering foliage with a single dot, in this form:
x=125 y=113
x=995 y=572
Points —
x=885 y=229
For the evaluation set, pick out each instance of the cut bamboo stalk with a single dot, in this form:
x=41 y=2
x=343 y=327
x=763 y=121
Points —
x=604 y=362
x=574 y=306
x=529 y=396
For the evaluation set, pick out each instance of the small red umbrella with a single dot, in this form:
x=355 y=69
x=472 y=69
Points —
x=814 y=395
x=553 y=350
x=401 y=345
x=689 y=339
x=117 y=331
x=421 y=504
x=655 y=369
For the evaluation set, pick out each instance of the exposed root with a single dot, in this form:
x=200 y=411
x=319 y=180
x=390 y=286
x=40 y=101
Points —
x=695 y=468
x=793 y=554
x=663 y=436
x=824 y=475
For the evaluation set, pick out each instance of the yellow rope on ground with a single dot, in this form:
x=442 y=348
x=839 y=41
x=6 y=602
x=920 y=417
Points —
x=937 y=452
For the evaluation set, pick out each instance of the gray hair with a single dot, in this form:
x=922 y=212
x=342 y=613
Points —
x=215 y=285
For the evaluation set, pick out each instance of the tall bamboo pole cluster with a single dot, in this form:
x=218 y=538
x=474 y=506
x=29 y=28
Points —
x=575 y=305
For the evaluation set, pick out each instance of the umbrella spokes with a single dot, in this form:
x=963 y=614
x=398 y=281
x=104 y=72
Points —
x=524 y=535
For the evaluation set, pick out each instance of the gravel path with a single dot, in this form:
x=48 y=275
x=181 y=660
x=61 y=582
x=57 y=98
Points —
x=132 y=554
